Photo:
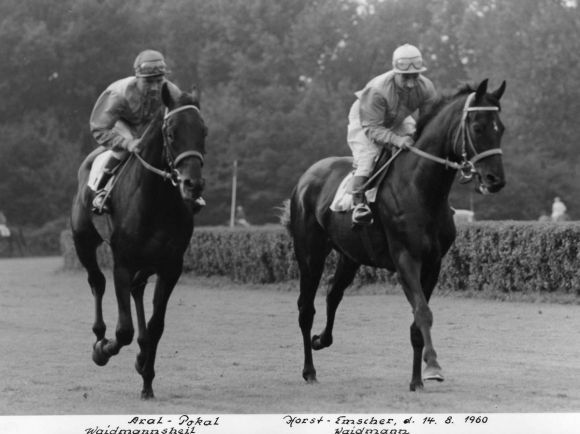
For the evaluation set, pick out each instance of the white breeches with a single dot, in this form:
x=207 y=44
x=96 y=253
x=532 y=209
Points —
x=364 y=151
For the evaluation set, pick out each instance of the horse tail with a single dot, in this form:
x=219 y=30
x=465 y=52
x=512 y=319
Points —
x=284 y=214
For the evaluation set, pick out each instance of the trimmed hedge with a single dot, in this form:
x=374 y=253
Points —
x=508 y=256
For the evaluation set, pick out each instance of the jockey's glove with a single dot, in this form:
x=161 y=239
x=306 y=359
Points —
x=402 y=142
x=133 y=145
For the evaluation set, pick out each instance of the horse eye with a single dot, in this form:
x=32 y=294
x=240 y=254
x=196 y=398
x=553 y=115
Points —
x=477 y=129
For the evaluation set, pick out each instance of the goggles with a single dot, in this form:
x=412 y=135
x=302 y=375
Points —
x=151 y=69
x=405 y=64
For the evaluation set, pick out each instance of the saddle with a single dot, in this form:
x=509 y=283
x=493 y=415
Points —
x=97 y=170
x=342 y=201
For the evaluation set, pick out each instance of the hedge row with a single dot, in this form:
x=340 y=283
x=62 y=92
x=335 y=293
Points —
x=487 y=256
x=28 y=241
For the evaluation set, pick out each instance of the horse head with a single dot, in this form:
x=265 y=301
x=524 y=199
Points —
x=184 y=133
x=479 y=136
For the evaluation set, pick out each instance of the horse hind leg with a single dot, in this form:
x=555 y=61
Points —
x=311 y=248
x=344 y=275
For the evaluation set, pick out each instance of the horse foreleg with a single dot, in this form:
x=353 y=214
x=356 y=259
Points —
x=409 y=274
x=429 y=278
x=137 y=292
x=343 y=276
x=104 y=349
x=166 y=281
x=86 y=243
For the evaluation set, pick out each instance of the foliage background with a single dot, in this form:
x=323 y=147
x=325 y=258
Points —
x=277 y=78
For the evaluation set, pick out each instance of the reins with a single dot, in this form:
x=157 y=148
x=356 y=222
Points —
x=170 y=175
x=467 y=167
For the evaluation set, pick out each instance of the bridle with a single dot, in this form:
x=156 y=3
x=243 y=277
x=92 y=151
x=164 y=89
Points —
x=466 y=166
x=172 y=174
x=462 y=136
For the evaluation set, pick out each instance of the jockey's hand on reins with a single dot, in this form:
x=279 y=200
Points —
x=134 y=146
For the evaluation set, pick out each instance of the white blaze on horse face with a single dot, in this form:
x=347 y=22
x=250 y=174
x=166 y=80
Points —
x=495 y=126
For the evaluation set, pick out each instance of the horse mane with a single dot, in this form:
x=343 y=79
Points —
x=442 y=99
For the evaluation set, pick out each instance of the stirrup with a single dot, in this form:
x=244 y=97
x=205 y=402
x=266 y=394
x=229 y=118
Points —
x=100 y=205
x=362 y=215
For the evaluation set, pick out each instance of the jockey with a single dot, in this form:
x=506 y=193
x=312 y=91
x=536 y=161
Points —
x=123 y=112
x=384 y=114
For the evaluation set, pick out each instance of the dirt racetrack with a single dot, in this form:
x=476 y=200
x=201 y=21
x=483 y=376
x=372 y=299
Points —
x=232 y=348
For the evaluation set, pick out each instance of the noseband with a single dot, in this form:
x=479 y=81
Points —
x=466 y=166
x=172 y=175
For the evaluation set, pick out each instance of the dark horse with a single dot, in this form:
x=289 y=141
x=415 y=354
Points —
x=413 y=227
x=150 y=226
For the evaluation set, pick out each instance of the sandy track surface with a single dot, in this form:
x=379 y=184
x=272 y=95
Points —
x=232 y=348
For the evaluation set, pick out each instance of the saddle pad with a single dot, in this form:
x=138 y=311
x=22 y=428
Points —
x=343 y=198
x=97 y=169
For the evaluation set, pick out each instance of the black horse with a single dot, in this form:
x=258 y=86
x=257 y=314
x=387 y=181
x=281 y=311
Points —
x=413 y=227
x=149 y=229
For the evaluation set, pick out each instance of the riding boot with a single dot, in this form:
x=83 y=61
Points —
x=100 y=202
x=361 y=214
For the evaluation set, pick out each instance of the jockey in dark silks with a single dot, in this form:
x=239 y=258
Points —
x=123 y=112
x=384 y=114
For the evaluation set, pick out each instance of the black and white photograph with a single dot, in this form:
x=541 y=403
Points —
x=289 y=216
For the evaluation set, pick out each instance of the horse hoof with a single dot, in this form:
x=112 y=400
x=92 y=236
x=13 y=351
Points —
x=434 y=374
x=99 y=356
x=147 y=394
x=310 y=377
x=318 y=343
x=416 y=386
x=311 y=380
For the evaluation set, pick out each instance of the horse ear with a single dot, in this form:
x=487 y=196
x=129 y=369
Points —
x=169 y=94
x=196 y=94
x=500 y=90
x=481 y=90
x=166 y=95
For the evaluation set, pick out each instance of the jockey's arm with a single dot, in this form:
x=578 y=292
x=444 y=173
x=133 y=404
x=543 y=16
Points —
x=373 y=106
x=106 y=113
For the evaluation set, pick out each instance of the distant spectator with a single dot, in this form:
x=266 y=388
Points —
x=241 y=217
x=558 y=210
x=463 y=216
x=4 y=231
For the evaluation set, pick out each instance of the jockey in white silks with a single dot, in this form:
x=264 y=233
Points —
x=558 y=209
x=4 y=230
x=385 y=114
